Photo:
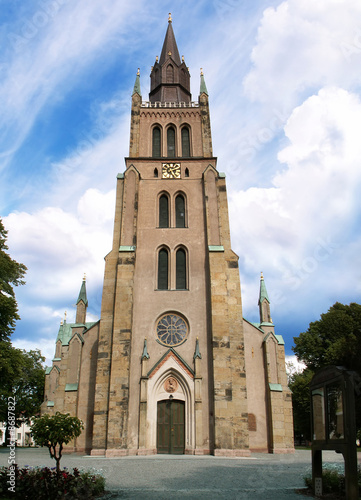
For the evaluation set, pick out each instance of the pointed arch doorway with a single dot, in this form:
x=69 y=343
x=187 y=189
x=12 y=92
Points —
x=170 y=427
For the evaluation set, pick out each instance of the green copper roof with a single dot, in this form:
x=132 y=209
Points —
x=136 y=89
x=82 y=294
x=203 y=89
x=263 y=291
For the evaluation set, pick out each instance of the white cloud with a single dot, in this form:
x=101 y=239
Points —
x=302 y=231
x=303 y=45
x=58 y=247
x=46 y=346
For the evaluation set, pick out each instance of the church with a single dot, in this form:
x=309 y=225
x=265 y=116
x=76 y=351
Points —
x=172 y=366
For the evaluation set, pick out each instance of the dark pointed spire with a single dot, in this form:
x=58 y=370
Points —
x=169 y=77
x=170 y=48
x=136 y=89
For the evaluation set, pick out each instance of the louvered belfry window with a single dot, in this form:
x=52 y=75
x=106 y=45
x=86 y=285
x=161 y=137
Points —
x=180 y=211
x=171 y=142
x=186 y=150
x=163 y=211
x=163 y=269
x=181 y=270
x=156 y=142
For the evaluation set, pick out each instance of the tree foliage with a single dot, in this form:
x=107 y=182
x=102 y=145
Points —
x=335 y=339
x=54 y=431
x=11 y=274
x=22 y=377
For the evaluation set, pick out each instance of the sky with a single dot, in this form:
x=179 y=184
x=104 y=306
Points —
x=284 y=85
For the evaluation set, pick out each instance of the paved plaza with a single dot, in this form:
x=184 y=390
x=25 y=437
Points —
x=192 y=477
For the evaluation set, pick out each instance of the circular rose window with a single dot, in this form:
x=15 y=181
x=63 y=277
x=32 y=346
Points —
x=171 y=330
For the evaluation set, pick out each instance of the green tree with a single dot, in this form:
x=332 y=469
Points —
x=335 y=339
x=11 y=274
x=299 y=385
x=22 y=377
x=54 y=431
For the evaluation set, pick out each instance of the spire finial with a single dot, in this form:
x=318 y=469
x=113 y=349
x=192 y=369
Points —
x=182 y=58
x=64 y=316
x=262 y=275
x=156 y=58
x=138 y=72
x=84 y=277
x=169 y=17
x=202 y=72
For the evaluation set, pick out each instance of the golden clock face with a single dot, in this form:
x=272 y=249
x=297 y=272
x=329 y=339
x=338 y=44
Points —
x=171 y=171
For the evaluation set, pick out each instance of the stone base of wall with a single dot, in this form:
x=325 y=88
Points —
x=259 y=450
x=97 y=453
x=200 y=451
x=144 y=451
x=283 y=450
x=221 y=452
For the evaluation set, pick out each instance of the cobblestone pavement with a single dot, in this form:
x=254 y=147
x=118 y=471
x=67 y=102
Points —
x=182 y=476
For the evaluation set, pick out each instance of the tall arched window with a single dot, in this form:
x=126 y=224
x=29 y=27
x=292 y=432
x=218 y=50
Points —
x=171 y=142
x=156 y=143
x=163 y=269
x=181 y=269
x=186 y=148
x=163 y=211
x=180 y=216
x=170 y=74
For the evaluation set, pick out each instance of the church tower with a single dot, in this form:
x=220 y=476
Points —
x=171 y=371
x=172 y=366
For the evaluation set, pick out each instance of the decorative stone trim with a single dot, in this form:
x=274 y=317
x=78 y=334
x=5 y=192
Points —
x=216 y=248
x=71 y=387
x=127 y=248
x=275 y=387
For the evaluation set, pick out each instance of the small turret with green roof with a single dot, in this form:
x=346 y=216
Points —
x=264 y=303
x=81 y=304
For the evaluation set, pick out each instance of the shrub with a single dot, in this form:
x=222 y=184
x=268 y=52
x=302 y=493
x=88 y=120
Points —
x=44 y=484
x=333 y=481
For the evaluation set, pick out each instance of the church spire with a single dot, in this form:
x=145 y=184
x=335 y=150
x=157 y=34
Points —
x=170 y=48
x=170 y=78
x=264 y=303
x=136 y=89
x=203 y=87
x=81 y=304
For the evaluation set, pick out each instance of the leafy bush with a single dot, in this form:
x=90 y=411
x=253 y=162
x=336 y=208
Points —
x=333 y=481
x=44 y=483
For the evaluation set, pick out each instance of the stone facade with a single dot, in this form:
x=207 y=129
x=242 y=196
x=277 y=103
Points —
x=172 y=366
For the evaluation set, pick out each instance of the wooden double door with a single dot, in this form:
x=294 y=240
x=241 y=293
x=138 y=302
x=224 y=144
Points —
x=170 y=427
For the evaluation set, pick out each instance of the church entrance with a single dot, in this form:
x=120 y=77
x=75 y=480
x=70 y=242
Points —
x=170 y=427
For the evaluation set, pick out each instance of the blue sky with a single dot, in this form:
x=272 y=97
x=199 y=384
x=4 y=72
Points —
x=285 y=100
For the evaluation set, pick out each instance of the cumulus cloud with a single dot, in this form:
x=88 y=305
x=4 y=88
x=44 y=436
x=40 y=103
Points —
x=302 y=229
x=303 y=45
x=58 y=247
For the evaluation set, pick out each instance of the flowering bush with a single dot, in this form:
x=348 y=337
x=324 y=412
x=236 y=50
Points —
x=44 y=483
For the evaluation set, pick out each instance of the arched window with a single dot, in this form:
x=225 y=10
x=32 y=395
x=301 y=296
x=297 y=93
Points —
x=163 y=211
x=155 y=172
x=163 y=269
x=186 y=172
x=170 y=142
x=186 y=149
x=180 y=216
x=156 y=143
x=170 y=74
x=181 y=269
